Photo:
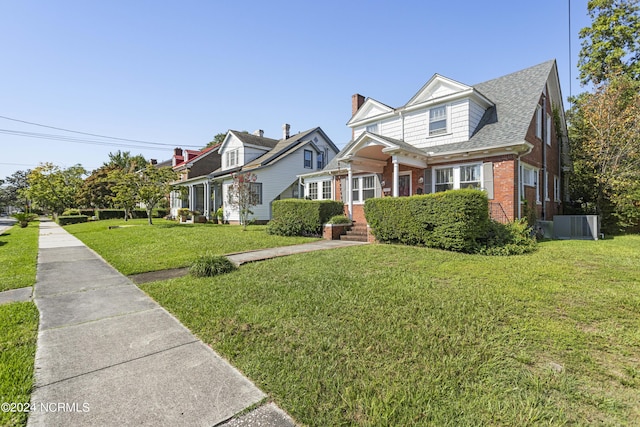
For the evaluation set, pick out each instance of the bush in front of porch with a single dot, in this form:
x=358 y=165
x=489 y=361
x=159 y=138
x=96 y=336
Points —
x=300 y=217
x=456 y=220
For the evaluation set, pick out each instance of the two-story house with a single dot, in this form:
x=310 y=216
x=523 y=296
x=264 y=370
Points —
x=506 y=136
x=276 y=164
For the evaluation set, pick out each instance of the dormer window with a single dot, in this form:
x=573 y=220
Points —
x=372 y=128
x=232 y=158
x=438 y=121
x=308 y=159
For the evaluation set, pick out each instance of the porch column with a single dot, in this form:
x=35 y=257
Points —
x=192 y=197
x=396 y=175
x=207 y=200
x=349 y=192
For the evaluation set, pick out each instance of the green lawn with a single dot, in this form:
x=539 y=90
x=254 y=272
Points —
x=18 y=336
x=393 y=335
x=138 y=247
x=18 y=256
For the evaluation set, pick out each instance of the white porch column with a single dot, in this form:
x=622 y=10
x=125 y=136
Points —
x=349 y=192
x=396 y=175
x=207 y=200
x=192 y=197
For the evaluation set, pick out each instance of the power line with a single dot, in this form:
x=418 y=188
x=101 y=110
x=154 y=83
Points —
x=77 y=140
x=93 y=134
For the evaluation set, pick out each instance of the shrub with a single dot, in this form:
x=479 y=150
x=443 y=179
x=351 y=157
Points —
x=455 y=220
x=110 y=213
x=339 y=219
x=211 y=265
x=87 y=212
x=509 y=239
x=68 y=212
x=300 y=217
x=72 y=219
x=24 y=218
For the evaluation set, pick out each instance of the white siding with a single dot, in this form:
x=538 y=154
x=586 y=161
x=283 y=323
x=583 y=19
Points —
x=278 y=177
x=391 y=128
x=457 y=128
x=475 y=115
x=252 y=153
x=233 y=144
x=357 y=131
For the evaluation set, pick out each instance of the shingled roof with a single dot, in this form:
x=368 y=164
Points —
x=515 y=97
x=281 y=148
x=256 y=140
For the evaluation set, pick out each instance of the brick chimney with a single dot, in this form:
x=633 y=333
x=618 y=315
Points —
x=177 y=152
x=259 y=133
x=285 y=130
x=356 y=102
x=153 y=161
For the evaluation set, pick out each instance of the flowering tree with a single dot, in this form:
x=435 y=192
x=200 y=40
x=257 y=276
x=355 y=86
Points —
x=243 y=195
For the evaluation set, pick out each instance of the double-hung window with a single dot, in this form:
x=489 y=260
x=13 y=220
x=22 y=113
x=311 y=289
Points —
x=320 y=160
x=539 y=121
x=232 y=158
x=556 y=189
x=355 y=189
x=368 y=187
x=308 y=159
x=444 y=179
x=372 y=128
x=548 y=130
x=437 y=121
x=255 y=190
x=470 y=177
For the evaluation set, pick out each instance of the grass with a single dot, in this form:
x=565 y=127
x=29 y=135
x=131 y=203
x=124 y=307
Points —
x=18 y=256
x=393 y=335
x=138 y=247
x=18 y=336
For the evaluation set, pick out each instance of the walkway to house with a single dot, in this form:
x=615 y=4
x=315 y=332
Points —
x=109 y=355
x=6 y=223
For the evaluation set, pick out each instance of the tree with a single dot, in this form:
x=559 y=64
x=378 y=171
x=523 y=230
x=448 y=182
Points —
x=14 y=188
x=97 y=192
x=217 y=139
x=244 y=193
x=611 y=45
x=53 y=188
x=124 y=190
x=154 y=184
x=125 y=161
x=605 y=149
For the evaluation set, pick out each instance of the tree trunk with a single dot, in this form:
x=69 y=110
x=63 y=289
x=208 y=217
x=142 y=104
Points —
x=149 y=216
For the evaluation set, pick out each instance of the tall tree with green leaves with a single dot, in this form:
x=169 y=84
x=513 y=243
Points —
x=244 y=194
x=125 y=190
x=96 y=192
x=154 y=185
x=217 y=139
x=605 y=148
x=14 y=189
x=125 y=161
x=54 y=188
x=611 y=45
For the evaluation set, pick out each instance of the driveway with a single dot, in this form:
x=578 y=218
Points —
x=6 y=223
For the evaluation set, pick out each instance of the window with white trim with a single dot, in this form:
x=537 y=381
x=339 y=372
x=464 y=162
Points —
x=529 y=178
x=326 y=190
x=444 y=179
x=556 y=188
x=363 y=188
x=470 y=177
x=438 y=121
x=320 y=160
x=313 y=191
x=372 y=128
x=255 y=188
x=546 y=186
x=548 y=130
x=232 y=157
x=308 y=159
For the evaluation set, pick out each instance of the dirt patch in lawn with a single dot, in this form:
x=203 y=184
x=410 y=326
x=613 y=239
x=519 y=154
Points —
x=153 y=276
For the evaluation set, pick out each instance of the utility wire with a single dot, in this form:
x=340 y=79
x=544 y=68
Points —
x=93 y=134
x=77 y=140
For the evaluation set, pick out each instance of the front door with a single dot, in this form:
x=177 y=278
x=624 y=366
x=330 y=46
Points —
x=404 y=185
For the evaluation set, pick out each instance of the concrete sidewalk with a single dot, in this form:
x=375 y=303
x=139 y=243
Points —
x=109 y=355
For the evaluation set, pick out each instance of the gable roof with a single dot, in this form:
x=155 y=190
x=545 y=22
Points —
x=250 y=139
x=286 y=146
x=437 y=86
x=370 y=106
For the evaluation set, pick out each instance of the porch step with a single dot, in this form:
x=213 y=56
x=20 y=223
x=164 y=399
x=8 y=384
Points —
x=357 y=233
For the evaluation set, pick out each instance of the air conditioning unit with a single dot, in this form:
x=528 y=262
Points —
x=576 y=227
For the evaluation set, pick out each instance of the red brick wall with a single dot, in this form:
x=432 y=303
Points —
x=536 y=158
x=416 y=173
x=505 y=185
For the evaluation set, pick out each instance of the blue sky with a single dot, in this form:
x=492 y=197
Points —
x=177 y=73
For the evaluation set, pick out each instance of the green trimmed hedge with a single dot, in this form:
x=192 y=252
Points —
x=135 y=213
x=455 y=220
x=110 y=213
x=72 y=219
x=300 y=217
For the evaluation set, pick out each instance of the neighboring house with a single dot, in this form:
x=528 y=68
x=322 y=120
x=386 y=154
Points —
x=193 y=166
x=499 y=136
x=276 y=164
x=208 y=174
